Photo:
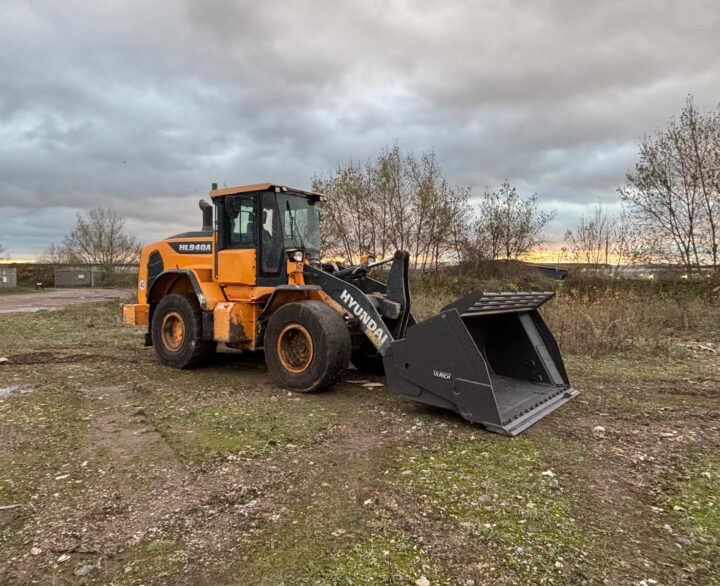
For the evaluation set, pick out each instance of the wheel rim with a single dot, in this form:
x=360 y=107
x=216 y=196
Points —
x=173 y=331
x=295 y=348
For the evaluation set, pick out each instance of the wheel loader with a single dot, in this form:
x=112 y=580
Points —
x=253 y=279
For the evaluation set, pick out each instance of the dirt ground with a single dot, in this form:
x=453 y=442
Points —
x=31 y=300
x=116 y=470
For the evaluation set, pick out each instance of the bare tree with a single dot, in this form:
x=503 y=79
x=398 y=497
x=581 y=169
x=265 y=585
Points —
x=594 y=239
x=507 y=225
x=396 y=202
x=100 y=238
x=675 y=188
x=2 y=251
x=55 y=254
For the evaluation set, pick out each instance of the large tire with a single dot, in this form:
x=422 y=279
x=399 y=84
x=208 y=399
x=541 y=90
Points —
x=177 y=332
x=307 y=346
x=367 y=359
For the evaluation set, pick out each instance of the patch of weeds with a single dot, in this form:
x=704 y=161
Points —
x=384 y=557
x=496 y=490
x=695 y=505
x=75 y=325
x=252 y=428
x=43 y=430
x=148 y=562
x=639 y=366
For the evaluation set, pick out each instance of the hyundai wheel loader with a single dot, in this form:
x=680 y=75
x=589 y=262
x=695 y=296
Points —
x=252 y=278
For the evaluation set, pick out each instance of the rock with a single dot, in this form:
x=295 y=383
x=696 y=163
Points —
x=559 y=565
x=549 y=473
x=373 y=385
x=470 y=582
x=684 y=541
x=598 y=432
x=84 y=570
x=4 y=360
x=422 y=581
x=63 y=558
x=35 y=550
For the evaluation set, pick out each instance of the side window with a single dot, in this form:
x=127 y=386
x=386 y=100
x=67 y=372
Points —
x=240 y=220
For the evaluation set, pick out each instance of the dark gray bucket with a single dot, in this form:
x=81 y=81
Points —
x=488 y=356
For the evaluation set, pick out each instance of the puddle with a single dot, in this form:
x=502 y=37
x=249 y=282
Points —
x=19 y=389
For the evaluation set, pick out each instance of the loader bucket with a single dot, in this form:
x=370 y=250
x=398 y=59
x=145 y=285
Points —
x=488 y=356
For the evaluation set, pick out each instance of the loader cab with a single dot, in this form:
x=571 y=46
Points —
x=256 y=226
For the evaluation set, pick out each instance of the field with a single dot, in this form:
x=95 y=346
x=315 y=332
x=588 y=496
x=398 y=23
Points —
x=126 y=472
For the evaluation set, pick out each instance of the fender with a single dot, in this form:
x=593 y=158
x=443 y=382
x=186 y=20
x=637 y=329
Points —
x=163 y=277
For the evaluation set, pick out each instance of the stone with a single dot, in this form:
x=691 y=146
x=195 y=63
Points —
x=84 y=570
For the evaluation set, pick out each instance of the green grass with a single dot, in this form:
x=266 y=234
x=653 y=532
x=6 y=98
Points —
x=252 y=428
x=495 y=490
x=383 y=557
x=694 y=503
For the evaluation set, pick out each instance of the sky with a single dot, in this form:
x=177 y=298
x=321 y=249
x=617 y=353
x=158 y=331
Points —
x=141 y=105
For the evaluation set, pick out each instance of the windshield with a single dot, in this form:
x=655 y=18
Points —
x=301 y=221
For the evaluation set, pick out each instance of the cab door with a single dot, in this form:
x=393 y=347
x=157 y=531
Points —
x=236 y=234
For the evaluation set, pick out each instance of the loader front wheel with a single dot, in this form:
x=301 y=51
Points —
x=307 y=346
x=177 y=332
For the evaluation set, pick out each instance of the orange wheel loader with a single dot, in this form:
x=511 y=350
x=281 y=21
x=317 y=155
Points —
x=252 y=278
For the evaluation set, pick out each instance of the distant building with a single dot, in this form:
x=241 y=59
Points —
x=78 y=277
x=8 y=277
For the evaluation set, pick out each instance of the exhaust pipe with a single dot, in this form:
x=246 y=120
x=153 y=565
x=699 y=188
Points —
x=207 y=214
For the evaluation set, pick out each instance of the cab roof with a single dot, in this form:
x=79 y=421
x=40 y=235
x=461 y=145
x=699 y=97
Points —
x=261 y=187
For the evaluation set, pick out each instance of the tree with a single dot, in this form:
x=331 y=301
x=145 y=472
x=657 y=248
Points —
x=508 y=226
x=674 y=191
x=2 y=251
x=100 y=238
x=55 y=254
x=594 y=239
x=602 y=240
x=396 y=202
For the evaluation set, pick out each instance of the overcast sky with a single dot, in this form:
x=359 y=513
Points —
x=141 y=104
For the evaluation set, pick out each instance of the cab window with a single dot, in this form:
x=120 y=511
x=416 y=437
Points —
x=240 y=224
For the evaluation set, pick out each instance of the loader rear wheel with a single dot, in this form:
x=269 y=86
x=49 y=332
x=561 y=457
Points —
x=307 y=346
x=177 y=332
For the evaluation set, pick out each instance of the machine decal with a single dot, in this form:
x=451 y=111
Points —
x=441 y=374
x=192 y=247
x=363 y=316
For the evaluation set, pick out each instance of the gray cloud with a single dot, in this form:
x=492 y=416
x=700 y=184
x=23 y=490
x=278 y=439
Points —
x=141 y=105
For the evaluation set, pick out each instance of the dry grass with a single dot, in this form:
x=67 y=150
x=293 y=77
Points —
x=594 y=316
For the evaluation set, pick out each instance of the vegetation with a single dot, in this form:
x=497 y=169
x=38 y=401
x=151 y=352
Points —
x=98 y=238
x=674 y=191
x=404 y=202
x=156 y=476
